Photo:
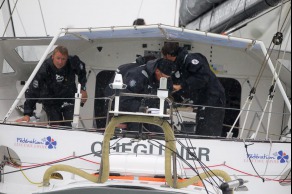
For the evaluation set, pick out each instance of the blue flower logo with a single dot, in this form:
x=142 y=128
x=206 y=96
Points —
x=51 y=143
x=282 y=157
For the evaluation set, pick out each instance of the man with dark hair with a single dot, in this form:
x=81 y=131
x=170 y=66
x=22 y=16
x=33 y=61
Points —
x=139 y=22
x=54 y=86
x=196 y=80
x=123 y=69
x=145 y=79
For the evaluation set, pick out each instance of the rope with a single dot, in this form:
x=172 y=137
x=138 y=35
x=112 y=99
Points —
x=29 y=180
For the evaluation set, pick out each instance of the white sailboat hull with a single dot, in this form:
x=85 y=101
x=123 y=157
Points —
x=37 y=154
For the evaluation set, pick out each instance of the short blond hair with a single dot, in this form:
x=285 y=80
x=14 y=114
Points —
x=62 y=49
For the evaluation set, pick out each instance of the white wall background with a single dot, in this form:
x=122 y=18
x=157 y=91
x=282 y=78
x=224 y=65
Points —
x=57 y=14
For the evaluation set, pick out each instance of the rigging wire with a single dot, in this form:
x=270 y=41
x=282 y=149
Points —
x=193 y=154
x=255 y=18
x=286 y=178
x=185 y=161
x=286 y=19
x=14 y=164
x=21 y=22
x=190 y=166
x=2 y=4
x=188 y=10
x=263 y=67
x=232 y=18
x=50 y=163
x=43 y=18
x=181 y=104
x=140 y=9
x=176 y=18
x=279 y=22
x=212 y=14
x=277 y=40
x=280 y=16
x=246 y=149
x=10 y=18
x=205 y=167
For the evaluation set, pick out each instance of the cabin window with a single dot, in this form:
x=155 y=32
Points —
x=31 y=53
x=233 y=92
x=7 y=69
x=103 y=79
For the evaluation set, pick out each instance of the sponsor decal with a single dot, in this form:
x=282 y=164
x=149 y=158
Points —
x=133 y=83
x=59 y=78
x=177 y=74
x=282 y=157
x=195 y=61
x=81 y=66
x=202 y=153
x=47 y=143
x=35 y=84
x=279 y=157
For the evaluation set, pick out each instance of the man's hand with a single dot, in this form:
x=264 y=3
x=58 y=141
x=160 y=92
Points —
x=26 y=119
x=84 y=96
x=177 y=88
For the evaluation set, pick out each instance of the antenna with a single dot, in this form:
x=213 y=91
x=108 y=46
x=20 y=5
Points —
x=140 y=8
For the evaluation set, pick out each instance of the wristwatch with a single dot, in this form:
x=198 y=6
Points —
x=83 y=88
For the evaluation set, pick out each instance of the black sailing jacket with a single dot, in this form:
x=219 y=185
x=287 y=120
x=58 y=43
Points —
x=51 y=82
x=198 y=81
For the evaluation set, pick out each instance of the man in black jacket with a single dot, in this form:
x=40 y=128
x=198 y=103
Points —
x=54 y=86
x=196 y=80
x=145 y=79
x=125 y=68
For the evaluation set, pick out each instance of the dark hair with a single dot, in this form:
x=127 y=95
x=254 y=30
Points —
x=149 y=58
x=165 y=66
x=170 y=48
x=144 y=60
x=139 y=22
